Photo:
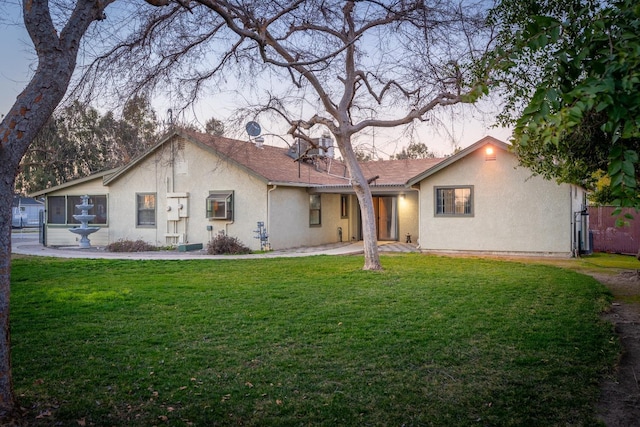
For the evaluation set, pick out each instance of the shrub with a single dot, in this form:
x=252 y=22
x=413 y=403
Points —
x=226 y=245
x=130 y=246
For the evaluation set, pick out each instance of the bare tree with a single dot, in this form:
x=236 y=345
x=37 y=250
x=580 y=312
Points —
x=348 y=65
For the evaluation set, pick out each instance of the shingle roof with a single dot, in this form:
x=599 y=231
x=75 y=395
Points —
x=274 y=165
x=268 y=162
x=395 y=172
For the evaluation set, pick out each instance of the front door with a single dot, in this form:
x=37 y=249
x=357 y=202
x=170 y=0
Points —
x=386 y=211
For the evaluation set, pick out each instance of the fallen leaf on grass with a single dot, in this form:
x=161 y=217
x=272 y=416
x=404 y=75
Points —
x=43 y=414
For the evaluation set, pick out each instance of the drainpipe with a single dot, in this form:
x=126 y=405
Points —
x=268 y=222
x=417 y=188
x=227 y=224
x=573 y=224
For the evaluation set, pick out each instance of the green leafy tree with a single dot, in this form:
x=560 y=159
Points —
x=572 y=75
x=415 y=150
x=130 y=134
x=77 y=141
x=601 y=193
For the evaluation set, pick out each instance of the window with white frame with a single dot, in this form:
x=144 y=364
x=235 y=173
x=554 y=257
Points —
x=146 y=209
x=454 y=201
x=220 y=205
x=315 y=210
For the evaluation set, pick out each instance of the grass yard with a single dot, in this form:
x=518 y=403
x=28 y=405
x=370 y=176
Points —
x=432 y=341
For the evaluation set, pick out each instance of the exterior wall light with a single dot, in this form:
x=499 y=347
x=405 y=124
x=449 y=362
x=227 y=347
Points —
x=489 y=153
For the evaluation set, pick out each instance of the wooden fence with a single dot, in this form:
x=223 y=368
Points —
x=607 y=237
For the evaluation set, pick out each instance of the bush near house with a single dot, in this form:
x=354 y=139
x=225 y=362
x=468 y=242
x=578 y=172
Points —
x=226 y=245
x=130 y=246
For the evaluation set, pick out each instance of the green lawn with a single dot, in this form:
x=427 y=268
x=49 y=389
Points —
x=431 y=341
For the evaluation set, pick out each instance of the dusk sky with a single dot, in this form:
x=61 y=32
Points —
x=16 y=51
x=18 y=56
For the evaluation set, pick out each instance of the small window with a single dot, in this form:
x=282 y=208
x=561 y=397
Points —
x=146 y=210
x=344 y=206
x=315 y=211
x=220 y=205
x=454 y=201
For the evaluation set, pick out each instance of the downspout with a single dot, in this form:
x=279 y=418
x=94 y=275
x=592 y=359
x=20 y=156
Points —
x=573 y=224
x=417 y=188
x=226 y=231
x=268 y=207
x=227 y=224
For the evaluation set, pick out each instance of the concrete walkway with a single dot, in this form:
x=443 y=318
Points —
x=26 y=243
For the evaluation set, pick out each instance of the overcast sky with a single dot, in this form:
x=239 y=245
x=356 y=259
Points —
x=461 y=128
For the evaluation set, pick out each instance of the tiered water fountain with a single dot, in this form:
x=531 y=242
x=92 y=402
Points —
x=84 y=230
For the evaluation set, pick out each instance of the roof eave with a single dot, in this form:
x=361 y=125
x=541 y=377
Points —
x=98 y=175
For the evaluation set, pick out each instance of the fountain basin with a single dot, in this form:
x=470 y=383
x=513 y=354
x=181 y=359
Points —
x=84 y=217
x=84 y=243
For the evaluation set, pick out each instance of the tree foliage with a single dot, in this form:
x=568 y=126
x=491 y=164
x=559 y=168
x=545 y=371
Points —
x=78 y=141
x=415 y=150
x=583 y=114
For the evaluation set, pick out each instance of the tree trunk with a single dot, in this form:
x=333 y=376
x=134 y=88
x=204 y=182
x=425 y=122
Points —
x=33 y=107
x=363 y=192
x=6 y=382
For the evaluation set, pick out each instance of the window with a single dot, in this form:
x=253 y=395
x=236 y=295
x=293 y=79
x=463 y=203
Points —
x=315 y=209
x=344 y=206
x=99 y=209
x=220 y=205
x=454 y=201
x=56 y=212
x=146 y=210
x=61 y=209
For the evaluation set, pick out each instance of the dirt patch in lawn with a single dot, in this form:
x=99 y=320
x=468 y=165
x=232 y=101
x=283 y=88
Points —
x=620 y=399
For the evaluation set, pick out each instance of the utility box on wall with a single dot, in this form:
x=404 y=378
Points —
x=177 y=206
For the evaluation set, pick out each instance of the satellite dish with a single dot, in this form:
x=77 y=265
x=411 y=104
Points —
x=253 y=128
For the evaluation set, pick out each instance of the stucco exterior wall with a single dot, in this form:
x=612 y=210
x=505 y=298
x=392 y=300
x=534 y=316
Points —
x=512 y=211
x=185 y=169
x=408 y=216
x=59 y=234
x=289 y=219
